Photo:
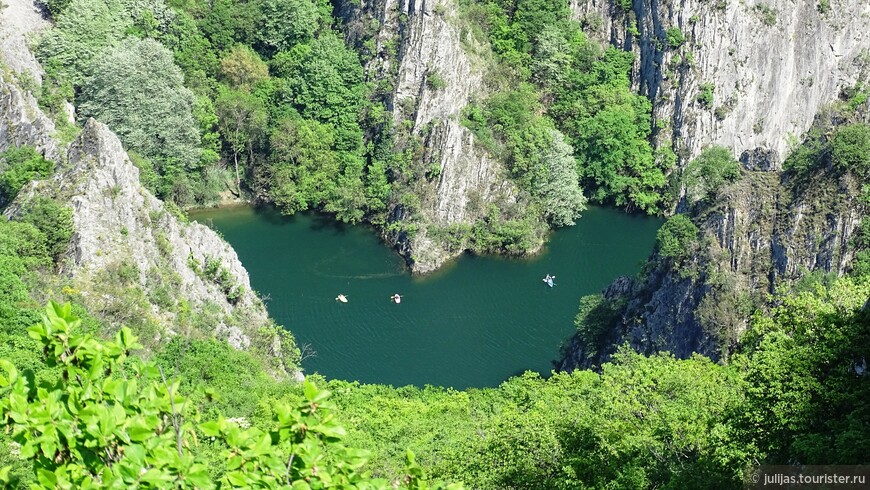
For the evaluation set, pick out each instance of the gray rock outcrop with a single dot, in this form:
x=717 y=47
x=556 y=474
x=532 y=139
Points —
x=21 y=121
x=435 y=69
x=763 y=231
x=129 y=254
x=20 y=19
x=770 y=65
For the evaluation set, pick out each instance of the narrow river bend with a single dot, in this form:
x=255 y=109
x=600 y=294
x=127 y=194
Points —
x=475 y=323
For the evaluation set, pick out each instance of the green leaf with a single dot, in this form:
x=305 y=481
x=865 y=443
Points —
x=237 y=478
x=198 y=476
x=212 y=429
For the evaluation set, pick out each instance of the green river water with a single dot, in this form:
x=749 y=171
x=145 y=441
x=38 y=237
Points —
x=474 y=323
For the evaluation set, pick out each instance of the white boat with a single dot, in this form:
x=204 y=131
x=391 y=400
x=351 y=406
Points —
x=396 y=298
x=341 y=298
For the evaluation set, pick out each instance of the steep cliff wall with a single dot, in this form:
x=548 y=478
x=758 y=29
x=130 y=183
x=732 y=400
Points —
x=763 y=231
x=769 y=65
x=130 y=258
x=21 y=121
x=20 y=19
x=432 y=68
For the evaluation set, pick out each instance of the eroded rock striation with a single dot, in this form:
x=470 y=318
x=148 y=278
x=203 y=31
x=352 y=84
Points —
x=129 y=252
x=763 y=231
x=769 y=66
x=434 y=68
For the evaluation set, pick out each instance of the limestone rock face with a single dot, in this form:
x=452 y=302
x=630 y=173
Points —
x=761 y=231
x=435 y=69
x=117 y=221
x=771 y=65
x=21 y=121
x=19 y=20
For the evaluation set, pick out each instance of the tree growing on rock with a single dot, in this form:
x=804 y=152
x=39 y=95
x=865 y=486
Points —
x=138 y=91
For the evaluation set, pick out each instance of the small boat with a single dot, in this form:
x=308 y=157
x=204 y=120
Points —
x=549 y=280
x=396 y=298
x=341 y=298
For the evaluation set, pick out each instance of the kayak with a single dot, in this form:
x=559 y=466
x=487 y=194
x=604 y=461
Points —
x=549 y=280
x=341 y=298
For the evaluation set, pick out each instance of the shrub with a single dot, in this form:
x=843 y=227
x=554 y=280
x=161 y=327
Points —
x=676 y=238
x=707 y=173
x=767 y=13
x=705 y=96
x=434 y=80
x=53 y=220
x=119 y=421
x=675 y=37
x=18 y=166
x=850 y=148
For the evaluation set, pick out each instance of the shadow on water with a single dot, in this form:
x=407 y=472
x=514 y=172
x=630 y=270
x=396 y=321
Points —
x=274 y=217
x=474 y=323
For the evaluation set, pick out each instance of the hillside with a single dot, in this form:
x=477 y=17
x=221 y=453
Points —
x=134 y=351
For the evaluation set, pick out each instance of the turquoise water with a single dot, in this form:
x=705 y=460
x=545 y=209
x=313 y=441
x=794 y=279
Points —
x=474 y=323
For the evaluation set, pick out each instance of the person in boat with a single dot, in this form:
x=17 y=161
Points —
x=396 y=298
x=341 y=298
x=549 y=280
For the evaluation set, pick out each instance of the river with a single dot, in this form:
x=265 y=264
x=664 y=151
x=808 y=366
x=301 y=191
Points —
x=474 y=323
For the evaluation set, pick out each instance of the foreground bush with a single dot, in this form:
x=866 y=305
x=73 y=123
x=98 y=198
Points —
x=113 y=421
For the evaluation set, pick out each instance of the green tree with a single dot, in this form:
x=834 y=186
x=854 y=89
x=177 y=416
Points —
x=286 y=23
x=560 y=191
x=676 y=238
x=326 y=84
x=805 y=365
x=706 y=174
x=242 y=119
x=850 y=148
x=139 y=93
x=82 y=31
x=19 y=166
x=242 y=68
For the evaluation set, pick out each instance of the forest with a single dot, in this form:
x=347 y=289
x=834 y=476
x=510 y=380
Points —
x=266 y=101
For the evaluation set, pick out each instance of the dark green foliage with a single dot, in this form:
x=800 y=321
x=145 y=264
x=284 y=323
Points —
x=861 y=242
x=609 y=129
x=675 y=36
x=706 y=174
x=138 y=91
x=676 y=238
x=18 y=166
x=589 y=99
x=53 y=220
x=705 y=95
x=595 y=318
x=845 y=148
x=536 y=153
x=807 y=400
x=287 y=23
x=850 y=149
x=22 y=251
x=499 y=232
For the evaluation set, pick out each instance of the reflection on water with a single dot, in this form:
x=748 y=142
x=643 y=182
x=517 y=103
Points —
x=473 y=324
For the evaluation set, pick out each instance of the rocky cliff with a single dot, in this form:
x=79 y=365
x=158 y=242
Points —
x=767 y=230
x=131 y=258
x=753 y=77
x=432 y=67
x=747 y=75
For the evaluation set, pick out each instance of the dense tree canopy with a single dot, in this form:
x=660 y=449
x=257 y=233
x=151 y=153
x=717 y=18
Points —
x=139 y=92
